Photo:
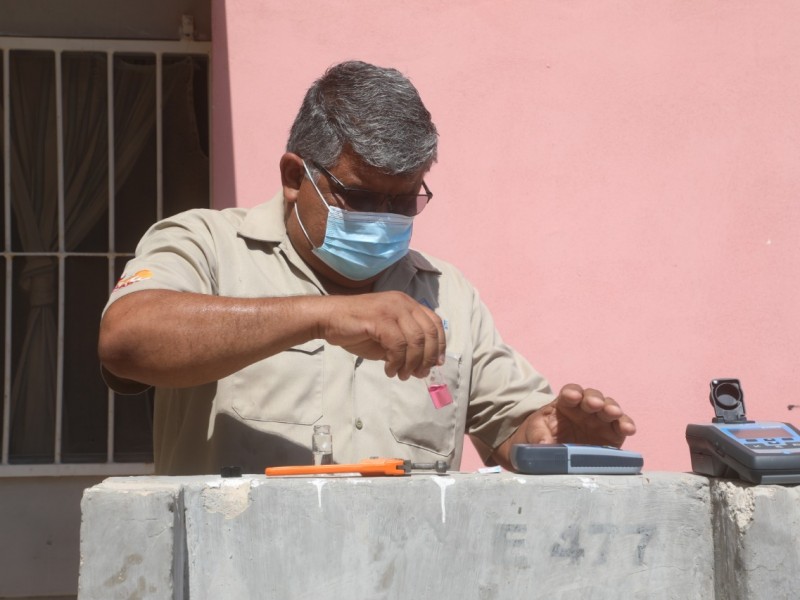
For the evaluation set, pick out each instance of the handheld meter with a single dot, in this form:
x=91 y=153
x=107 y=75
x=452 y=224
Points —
x=553 y=459
x=733 y=447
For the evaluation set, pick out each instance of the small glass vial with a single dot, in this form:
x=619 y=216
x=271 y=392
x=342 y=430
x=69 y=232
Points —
x=322 y=445
x=437 y=388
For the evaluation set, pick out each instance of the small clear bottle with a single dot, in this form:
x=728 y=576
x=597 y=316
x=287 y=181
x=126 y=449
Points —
x=322 y=445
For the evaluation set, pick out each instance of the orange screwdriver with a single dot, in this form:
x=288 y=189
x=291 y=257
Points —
x=369 y=466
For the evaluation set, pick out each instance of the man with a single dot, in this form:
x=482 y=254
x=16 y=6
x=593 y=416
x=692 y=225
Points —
x=254 y=325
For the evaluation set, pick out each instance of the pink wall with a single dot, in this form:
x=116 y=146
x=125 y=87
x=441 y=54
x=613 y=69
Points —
x=620 y=180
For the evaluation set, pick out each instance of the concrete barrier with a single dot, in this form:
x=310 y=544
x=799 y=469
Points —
x=459 y=536
x=757 y=531
x=133 y=539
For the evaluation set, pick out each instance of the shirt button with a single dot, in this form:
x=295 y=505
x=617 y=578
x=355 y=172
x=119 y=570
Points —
x=359 y=424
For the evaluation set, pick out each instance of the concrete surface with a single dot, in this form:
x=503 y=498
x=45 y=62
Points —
x=424 y=536
x=757 y=531
x=133 y=540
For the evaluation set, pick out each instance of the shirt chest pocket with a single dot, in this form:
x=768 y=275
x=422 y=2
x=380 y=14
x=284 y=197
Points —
x=417 y=422
x=285 y=388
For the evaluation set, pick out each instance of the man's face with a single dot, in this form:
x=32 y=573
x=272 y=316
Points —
x=352 y=173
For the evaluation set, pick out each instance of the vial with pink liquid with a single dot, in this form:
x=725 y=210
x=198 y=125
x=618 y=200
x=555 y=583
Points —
x=437 y=388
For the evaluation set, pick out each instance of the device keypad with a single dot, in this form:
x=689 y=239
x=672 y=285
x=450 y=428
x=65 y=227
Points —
x=772 y=443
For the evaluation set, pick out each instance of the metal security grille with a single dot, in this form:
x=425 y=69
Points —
x=100 y=138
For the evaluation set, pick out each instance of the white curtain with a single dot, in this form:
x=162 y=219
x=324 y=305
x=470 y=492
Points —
x=34 y=197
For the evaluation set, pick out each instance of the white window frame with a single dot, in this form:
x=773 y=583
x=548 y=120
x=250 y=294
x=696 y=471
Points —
x=59 y=45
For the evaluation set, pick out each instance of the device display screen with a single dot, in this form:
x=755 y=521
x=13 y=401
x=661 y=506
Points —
x=774 y=432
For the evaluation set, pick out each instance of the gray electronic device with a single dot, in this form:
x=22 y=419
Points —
x=554 y=459
x=735 y=448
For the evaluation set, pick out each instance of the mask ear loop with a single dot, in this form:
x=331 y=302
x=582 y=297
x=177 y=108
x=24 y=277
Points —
x=297 y=212
x=302 y=227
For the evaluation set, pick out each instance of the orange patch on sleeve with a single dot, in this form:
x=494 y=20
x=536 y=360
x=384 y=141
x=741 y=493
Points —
x=127 y=280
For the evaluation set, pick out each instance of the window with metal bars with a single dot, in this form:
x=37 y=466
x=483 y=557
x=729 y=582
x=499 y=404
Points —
x=100 y=138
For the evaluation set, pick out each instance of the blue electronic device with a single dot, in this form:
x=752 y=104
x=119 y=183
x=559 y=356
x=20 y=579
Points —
x=555 y=459
x=733 y=447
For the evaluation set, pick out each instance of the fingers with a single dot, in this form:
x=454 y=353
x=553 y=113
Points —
x=589 y=417
x=435 y=345
x=390 y=326
x=417 y=344
x=624 y=426
x=589 y=401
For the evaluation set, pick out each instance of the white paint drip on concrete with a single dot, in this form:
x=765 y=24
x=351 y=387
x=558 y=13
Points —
x=589 y=483
x=318 y=483
x=443 y=482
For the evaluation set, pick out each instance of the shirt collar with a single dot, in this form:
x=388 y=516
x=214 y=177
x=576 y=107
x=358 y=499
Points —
x=400 y=275
x=265 y=222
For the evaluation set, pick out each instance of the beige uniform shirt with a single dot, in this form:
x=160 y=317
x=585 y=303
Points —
x=264 y=414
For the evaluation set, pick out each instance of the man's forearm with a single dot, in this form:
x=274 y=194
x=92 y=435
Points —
x=176 y=339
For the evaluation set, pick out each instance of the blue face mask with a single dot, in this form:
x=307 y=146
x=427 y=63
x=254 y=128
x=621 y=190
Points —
x=359 y=245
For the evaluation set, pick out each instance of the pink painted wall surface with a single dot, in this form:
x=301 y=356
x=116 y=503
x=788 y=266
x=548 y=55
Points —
x=620 y=180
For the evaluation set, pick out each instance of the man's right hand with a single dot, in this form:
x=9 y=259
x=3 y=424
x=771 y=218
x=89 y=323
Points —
x=389 y=326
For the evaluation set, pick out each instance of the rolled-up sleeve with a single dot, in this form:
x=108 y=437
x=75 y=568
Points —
x=175 y=254
x=505 y=388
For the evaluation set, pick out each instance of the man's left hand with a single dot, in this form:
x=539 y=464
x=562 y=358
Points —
x=576 y=416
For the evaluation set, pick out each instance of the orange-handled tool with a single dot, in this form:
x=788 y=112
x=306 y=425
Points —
x=369 y=466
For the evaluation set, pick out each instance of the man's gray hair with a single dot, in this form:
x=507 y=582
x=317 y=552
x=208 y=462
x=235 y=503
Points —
x=374 y=111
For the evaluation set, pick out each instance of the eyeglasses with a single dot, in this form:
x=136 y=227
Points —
x=358 y=200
